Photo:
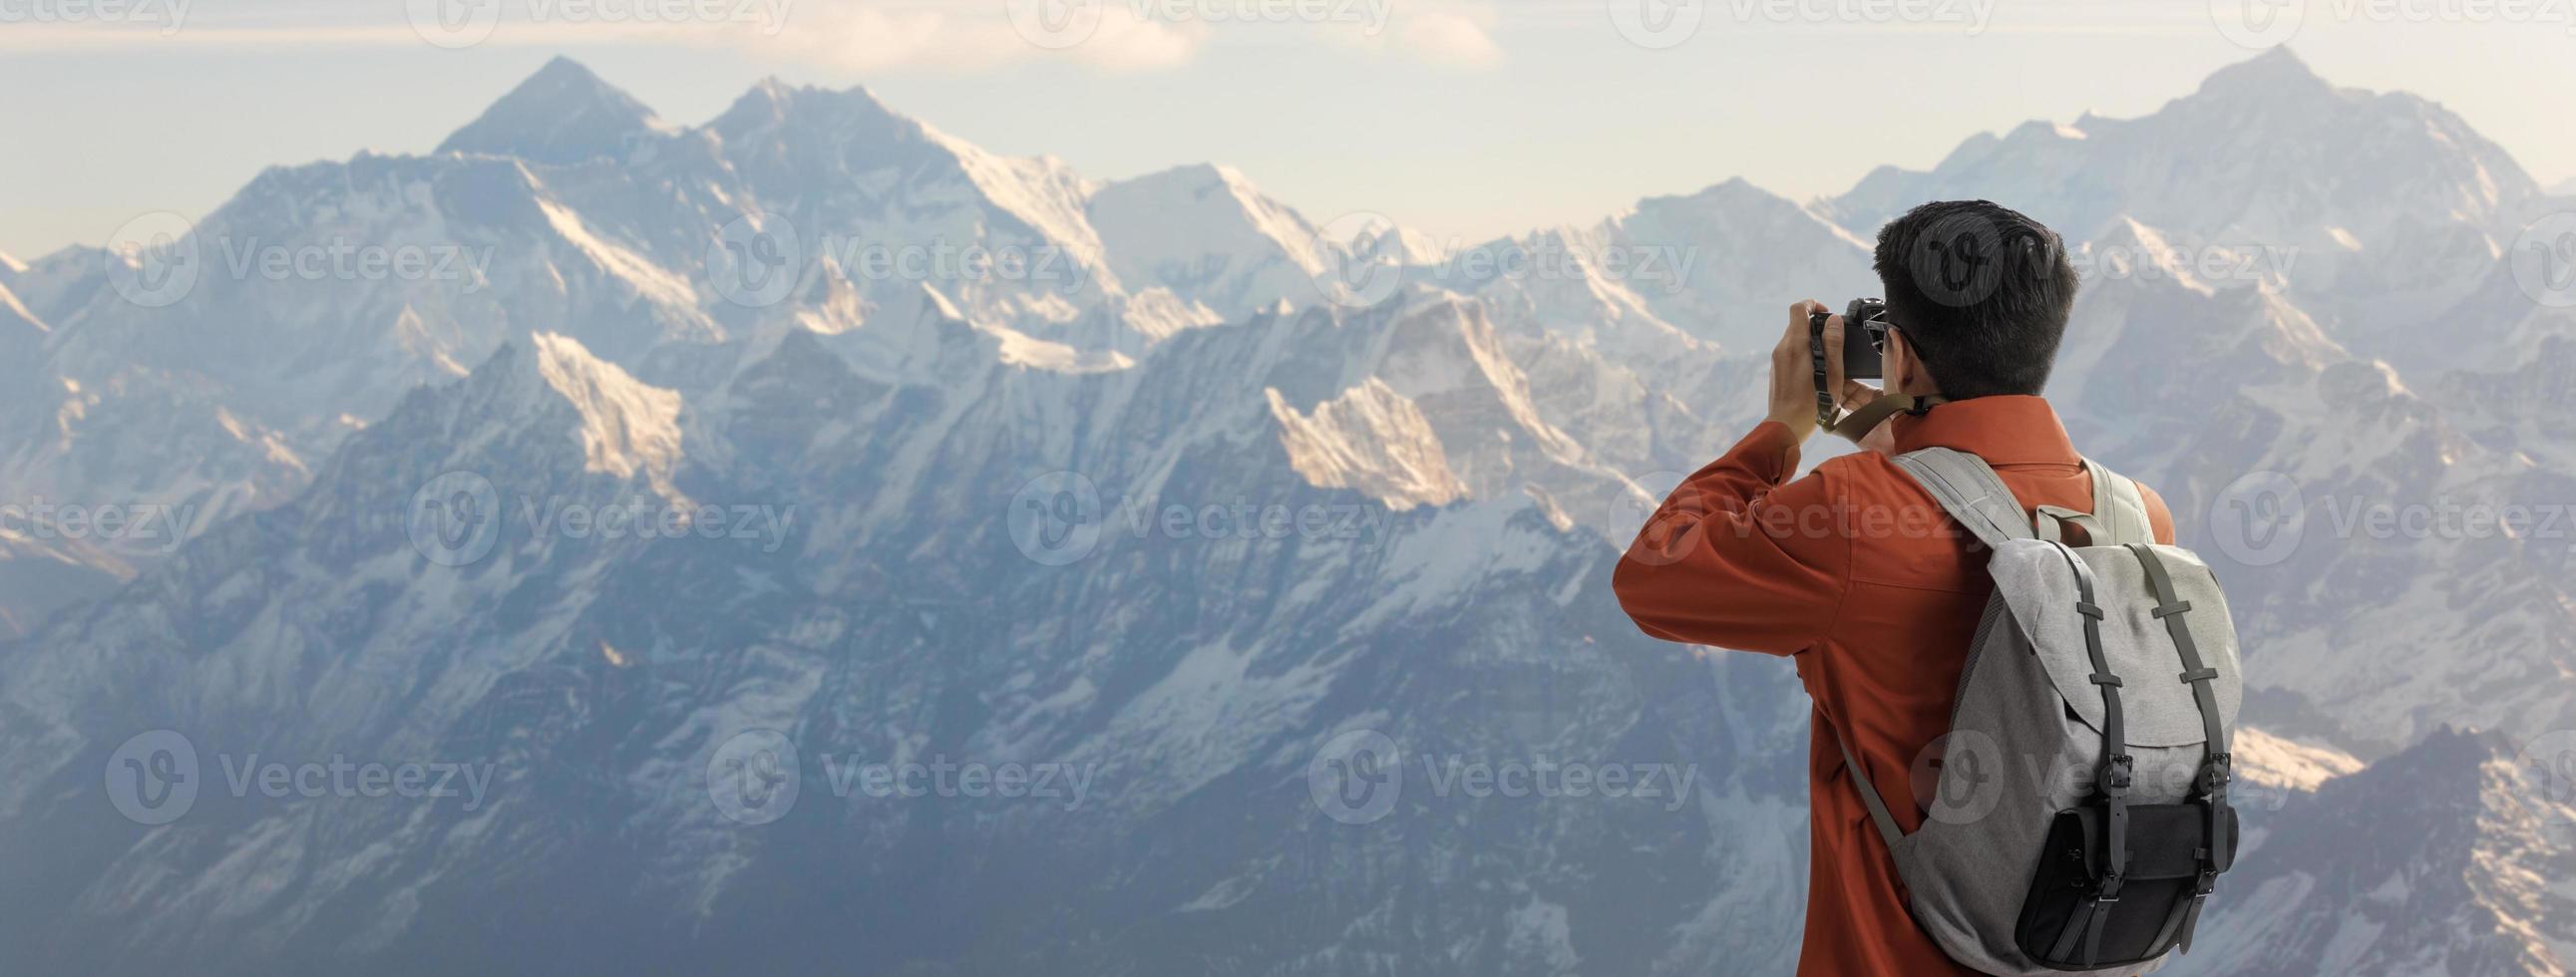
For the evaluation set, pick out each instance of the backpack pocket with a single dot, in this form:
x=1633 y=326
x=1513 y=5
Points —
x=2066 y=924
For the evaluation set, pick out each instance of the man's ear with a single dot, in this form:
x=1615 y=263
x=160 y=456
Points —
x=1916 y=378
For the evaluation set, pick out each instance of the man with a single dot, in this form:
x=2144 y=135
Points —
x=1854 y=571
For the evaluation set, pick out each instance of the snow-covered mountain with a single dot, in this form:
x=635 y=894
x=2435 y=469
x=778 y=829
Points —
x=1190 y=675
x=2378 y=552
x=2449 y=858
x=815 y=419
x=2377 y=212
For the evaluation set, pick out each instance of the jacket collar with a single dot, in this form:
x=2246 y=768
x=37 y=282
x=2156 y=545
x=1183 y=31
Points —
x=2003 y=430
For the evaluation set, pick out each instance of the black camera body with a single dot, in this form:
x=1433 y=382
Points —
x=1864 y=322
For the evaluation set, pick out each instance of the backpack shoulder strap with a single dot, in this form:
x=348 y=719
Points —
x=2119 y=507
x=1888 y=830
x=1970 y=491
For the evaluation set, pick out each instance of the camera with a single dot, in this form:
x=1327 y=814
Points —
x=1864 y=328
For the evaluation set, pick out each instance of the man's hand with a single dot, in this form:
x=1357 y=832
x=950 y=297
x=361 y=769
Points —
x=1793 y=370
x=1793 y=380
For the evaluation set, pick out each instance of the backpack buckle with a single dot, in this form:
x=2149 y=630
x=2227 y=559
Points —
x=2215 y=775
x=2116 y=775
x=2110 y=890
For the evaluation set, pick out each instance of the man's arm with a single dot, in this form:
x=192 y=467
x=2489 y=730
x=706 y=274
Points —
x=1736 y=559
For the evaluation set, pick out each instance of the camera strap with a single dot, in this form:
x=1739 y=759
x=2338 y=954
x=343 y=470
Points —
x=1856 y=425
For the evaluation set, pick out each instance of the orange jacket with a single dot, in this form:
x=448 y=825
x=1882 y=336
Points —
x=1855 y=573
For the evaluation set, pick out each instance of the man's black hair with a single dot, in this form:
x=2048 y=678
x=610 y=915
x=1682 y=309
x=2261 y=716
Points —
x=1980 y=292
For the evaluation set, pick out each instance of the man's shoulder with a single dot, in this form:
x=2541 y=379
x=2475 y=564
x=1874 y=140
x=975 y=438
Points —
x=1867 y=472
x=1876 y=494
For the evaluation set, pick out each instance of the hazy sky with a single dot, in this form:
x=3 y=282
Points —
x=1466 y=118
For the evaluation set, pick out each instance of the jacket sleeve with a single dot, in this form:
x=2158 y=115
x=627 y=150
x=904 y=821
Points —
x=1737 y=559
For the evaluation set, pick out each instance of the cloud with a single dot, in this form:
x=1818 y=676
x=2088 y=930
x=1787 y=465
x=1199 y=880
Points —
x=869 y=38
x=883 y=37
x=1446 y=33
x=1126 y=42
x=1456 y=38
x=866 y=39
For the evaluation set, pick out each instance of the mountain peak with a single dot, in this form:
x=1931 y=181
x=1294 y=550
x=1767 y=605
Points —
x=1184 y=182
x=624 y=425
x=2271 y=74
x=771 y=100
x=561 y=114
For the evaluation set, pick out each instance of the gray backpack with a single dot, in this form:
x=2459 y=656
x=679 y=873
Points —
x=2079 y=817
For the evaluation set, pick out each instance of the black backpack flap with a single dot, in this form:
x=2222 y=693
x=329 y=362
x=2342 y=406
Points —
x=2064 y=927
x=2165 y=840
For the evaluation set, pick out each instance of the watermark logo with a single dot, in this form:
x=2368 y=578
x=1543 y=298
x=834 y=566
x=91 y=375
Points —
x=158 y=258
x=155 y=778
x=152 y=778
x=1959 y=260
x=1055 y=24
x=754 y=778
x=2259 y=519
x=455 y=518
x=2258 y=24
x=1972 y=16
x=1056 y=518
x=1959 y=777
x=154 y=260
x=1059 y=518
x=1356 y=777
x=454 y=24
x=2543 y=258
x=2264 y=517
x=756 y=260
x=1657 y=24
x=2548 y=767
x=1359 y=259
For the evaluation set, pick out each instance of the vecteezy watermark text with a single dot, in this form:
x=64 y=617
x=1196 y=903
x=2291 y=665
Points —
x=119 y=524
x=1059 y=517
x=2260 y=24
x=155 y=777
x=2263 y=518
x=464 y=23
x=457 y=518
x=756 y=776
x=1360 y=259
x=1060 y=24
x=158 y=258
x=759 y=259
x=1659 y=24
x=170 y=15
x=1357 y=776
